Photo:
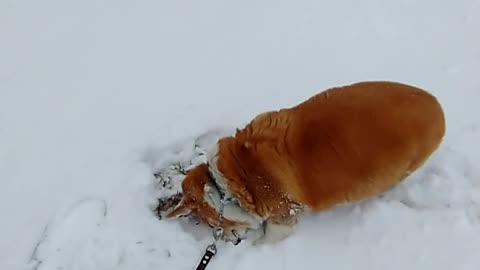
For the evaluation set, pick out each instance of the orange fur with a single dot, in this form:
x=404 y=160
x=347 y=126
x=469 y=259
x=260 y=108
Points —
x=342 y=145
x=193 y=199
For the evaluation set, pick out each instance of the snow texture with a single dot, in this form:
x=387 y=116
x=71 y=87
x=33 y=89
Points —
x=96 y=96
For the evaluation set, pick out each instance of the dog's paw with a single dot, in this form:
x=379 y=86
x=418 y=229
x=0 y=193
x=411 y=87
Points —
x=235 y=236
x=274 y=233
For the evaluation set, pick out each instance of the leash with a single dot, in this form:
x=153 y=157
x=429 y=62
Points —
x=211 y=249
x=218 y=233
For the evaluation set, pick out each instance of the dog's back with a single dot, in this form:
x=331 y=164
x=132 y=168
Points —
x=342 y=145
x=353 y=142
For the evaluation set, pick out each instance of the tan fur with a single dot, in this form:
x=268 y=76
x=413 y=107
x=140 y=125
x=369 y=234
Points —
x=342 y=145
x=193 y=198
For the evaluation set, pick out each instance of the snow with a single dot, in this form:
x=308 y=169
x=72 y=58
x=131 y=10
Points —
x=91 y=92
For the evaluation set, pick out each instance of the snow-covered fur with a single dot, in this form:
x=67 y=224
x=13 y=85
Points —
x=231 y=209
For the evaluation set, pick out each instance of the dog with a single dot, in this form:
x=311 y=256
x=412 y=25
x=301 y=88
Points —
x=343 y=145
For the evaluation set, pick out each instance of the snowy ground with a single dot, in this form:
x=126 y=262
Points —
x=92 y=91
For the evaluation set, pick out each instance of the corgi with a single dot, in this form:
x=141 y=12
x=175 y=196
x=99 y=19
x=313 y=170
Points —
x=343 y=145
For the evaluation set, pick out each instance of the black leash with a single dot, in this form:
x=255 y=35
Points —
x=209 y=253
x=211 y=249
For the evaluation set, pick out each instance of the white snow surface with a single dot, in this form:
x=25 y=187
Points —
x=95 y=94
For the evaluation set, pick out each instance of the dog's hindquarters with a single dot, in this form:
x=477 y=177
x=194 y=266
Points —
x=358 y=141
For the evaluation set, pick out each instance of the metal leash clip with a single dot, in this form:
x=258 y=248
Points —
x=217 y=233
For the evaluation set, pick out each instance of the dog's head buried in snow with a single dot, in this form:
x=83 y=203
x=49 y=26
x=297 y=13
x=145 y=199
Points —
x=341 y=146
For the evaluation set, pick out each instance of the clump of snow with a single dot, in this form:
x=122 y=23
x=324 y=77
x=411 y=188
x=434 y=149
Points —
x=96 y=96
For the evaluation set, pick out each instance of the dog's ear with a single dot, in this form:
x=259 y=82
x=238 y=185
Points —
x=169 y=204
x=193 y=192
x=181 y=209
